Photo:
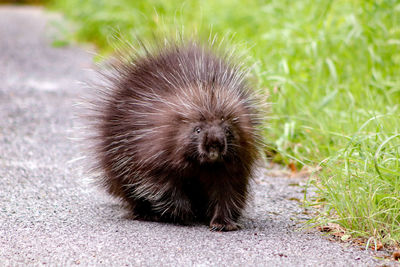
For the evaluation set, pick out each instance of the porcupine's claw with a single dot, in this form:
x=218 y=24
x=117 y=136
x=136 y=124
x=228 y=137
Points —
x=225 y=227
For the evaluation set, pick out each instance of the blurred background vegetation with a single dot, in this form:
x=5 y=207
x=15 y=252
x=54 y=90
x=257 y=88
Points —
x=23 y=2
x=332 y=70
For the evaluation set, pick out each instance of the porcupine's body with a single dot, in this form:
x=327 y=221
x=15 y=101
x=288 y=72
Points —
x=177 y=136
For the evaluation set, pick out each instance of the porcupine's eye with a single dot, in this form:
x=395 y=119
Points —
x=197 y=129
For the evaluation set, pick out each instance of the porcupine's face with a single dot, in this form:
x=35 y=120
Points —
x=211 y=140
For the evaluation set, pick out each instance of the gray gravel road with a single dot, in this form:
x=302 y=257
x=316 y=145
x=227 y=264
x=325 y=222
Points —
x=50 y=215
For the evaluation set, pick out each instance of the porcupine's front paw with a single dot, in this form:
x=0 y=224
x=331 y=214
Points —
x=220 y=224
x=225 y=217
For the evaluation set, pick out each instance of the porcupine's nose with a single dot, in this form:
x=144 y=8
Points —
x=215 y=143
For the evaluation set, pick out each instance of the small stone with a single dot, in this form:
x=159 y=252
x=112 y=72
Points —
x=396 y=255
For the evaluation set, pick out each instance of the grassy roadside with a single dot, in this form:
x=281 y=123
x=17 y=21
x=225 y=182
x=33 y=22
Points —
x=332 y=68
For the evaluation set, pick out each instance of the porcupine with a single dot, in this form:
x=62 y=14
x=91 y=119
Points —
x=177 y=134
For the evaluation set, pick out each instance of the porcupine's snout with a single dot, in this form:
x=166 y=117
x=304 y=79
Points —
x=214 y=143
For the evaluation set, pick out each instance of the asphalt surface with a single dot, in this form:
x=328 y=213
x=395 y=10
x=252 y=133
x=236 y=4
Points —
x=50 y=215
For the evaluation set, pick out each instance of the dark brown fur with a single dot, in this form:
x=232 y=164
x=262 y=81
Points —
x=176 y=135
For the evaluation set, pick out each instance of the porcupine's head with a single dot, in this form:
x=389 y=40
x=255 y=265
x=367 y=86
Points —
x=214 y=125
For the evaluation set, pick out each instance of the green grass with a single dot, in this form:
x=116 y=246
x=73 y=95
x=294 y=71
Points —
x=333 y=72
